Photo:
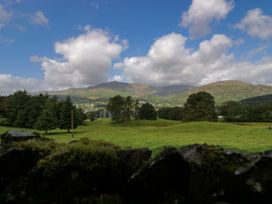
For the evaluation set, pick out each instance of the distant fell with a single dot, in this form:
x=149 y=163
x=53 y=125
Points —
x=222 y=91
x=110 y=89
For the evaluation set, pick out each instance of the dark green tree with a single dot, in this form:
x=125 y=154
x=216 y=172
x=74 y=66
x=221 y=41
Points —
x=46 y=121
x=163 y=113
x=128 y=108
x=176 y=113
x=116 y=107
x=200 y=107
x=147 y=112
x=66 y=110
x=136 y=109
x=231 y=111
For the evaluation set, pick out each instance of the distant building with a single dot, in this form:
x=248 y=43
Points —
x=16 y=136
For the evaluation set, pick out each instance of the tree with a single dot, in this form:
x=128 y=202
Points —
x=176 y=113
x=66 y=109
x=136 y=111
x=128 y=108
x=46 y=121
x=231 y=111
x=200 y=107
x=163 y=113
x=116 y=108
x=147 y=112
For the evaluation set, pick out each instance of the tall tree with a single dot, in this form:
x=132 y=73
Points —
x=176 y=113
x=116 y=108
x=231 y=111
x=46 y=121
x=137 y=109
x=66 y=110
x=200 y=107
x=128 y=108
x=147 y=112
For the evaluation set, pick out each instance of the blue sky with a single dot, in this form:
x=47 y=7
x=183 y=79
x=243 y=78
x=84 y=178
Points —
x=60 y=44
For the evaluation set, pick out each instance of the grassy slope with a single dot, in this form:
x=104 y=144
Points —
x=222 y=91
x=225 y=91
x=153 y=134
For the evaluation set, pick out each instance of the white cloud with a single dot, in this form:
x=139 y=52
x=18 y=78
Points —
x=170 y=62
x=256 y=24
x=202 y=13
x=10 y=84
x=5 y=16
x=117 y=78
x=39 y=18
x=85 y=59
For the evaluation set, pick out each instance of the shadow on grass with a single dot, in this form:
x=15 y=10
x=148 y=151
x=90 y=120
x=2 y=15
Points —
x=63 y=133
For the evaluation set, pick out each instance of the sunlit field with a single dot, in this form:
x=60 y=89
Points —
x=153 y=134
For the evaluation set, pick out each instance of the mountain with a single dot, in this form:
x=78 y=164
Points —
x=169 y=95
x=223 y=91
x=113 y=88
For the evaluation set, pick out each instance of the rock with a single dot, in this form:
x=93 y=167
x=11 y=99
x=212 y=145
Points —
x=215 y=173
x=130 y=160
x=163 y=177
x=259 y=181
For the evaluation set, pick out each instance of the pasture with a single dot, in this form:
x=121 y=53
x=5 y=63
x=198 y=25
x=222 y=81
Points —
x=248 y=137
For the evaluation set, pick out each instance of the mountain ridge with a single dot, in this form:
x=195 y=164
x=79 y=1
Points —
x=170 y=95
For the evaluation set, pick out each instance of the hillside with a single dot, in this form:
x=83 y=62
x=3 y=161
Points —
x=258 y=100
x=226 y=91
x=110 y=89
x=170 y=95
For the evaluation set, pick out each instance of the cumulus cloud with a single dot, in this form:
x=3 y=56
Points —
x=169 y=62
x=85 y=60
x=117 y=78
x=9 y=84
x=202 y=13
x=39 y=18
x=5 y=16
x=256 y=24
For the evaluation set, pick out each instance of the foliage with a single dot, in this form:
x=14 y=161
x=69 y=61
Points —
x=176 y=113
x=116 y=108
x=26 y=111
x=200 y=107
x=46 y=147
x=46 y=121
x=88 y=155
x=240 y=112
x=147 y=112
x=163 y=113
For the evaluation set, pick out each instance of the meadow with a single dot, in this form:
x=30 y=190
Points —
x=248 y=137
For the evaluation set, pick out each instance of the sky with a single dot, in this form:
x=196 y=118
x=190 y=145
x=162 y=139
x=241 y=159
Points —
x=54 y=45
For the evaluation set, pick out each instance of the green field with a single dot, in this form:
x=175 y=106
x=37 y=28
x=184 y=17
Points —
x=251 y=137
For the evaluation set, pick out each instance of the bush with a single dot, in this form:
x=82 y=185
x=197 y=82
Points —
x=84 y=154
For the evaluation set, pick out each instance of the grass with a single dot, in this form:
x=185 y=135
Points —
x=249 y=137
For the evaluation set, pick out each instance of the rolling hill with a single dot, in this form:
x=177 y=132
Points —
x=169 y=95
x=224 y=91
x=110 y=89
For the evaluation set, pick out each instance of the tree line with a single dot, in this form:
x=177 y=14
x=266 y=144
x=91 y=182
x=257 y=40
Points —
x=40 y=112
x=199 y=106
x=123 y=109
x=233 y=111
